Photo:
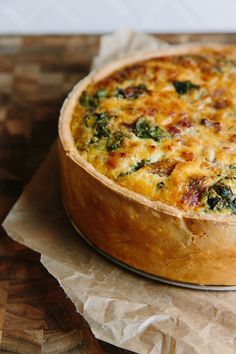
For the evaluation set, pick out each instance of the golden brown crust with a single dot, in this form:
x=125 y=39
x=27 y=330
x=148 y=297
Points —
x=148 y=235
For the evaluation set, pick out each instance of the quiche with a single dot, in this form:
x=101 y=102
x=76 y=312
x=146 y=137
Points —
x=148 y=162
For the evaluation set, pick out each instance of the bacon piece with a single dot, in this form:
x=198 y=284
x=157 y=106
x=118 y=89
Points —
x=219 y=98
x=174 y=130
x=195 y=191
x=209 y=123
x=233 y=138
x=163 y=167
x=185 y=122
x=221 y=104
x=134 y=91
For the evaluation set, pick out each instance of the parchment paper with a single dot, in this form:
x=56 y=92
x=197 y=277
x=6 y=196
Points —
x=121 y=308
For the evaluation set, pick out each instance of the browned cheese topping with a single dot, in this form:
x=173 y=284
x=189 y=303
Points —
x=165 y=128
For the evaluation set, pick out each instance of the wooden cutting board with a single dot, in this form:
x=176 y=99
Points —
x=36 y=73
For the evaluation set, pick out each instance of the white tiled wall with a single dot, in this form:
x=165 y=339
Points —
x=91 y=16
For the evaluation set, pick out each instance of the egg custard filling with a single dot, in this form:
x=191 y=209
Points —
x=166 y=129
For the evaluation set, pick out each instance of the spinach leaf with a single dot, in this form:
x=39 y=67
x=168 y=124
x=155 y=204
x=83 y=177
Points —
x=183 y=87
x=90 y=120
x=87 y=101
x=213 y=202
x=114 y=142
x=139 y=165
x=223 y=191
x=144 y=130
x=98 y=122
x=220 y=196
x=232 y=167
x=101 y=128
x=232 y=206
x=135 y=167
x=92 y=101
x=101 y=93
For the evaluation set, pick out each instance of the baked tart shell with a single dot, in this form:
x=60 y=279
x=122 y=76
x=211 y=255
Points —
x=147 y=235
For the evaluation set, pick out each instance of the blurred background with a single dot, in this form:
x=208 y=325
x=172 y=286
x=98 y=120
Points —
x=96 y=16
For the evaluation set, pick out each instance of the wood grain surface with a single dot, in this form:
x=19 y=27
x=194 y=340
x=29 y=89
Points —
x=36 y=73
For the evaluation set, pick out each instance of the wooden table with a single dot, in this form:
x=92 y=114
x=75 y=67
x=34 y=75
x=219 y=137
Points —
x=36 y=73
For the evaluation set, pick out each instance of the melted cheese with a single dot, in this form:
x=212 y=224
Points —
x=165 y=128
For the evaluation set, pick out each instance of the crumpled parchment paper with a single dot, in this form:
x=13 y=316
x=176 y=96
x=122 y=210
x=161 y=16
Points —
x=122 y=308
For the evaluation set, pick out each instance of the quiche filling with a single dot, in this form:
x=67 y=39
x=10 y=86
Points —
x=165 y=128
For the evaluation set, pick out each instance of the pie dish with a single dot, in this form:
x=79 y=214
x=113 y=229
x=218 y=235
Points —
x=147 y=149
